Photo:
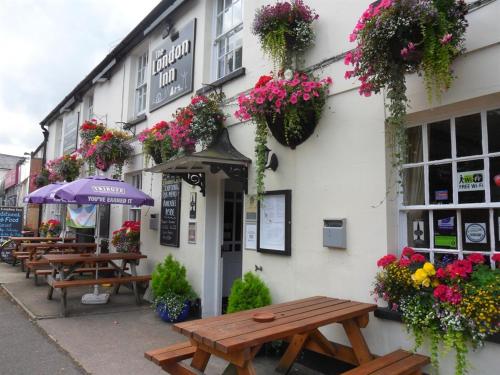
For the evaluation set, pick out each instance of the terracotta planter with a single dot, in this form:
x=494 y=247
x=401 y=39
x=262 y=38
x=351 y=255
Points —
x=275 y=123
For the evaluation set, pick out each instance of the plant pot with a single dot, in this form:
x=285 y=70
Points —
x=308 y=123
x=164 y=315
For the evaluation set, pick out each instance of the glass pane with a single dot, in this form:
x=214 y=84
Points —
x=229 y=63
x=493 y=121
x=475 y=230
x=440 y=184
x=219 y=25
x=418 y=229
x=469 y=139
x=238 y=222
x=413 y=185
x=495 y=179
x=237 y=13
x=227 y=20
x=443 y=259
x=470 y=181
x=445 y=229
x=439 y=140
x=220 y=68
x=414 y=136
x=238 y=58
x=220 y=5
x=221 y=47
x=496 y=227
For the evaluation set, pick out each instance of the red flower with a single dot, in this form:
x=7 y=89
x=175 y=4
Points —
x=386 y=260
x=459 y=268
x=404 y=262
x=262 y=81
x=444 y=293
x=476 y=258
x=407 y=252
x=441 y=273
x=496 y=257
x=417 y=258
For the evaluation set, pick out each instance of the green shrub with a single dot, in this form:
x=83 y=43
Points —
x=169 y=278
x=248 y=293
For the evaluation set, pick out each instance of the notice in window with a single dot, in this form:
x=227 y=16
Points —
x=272 y=223
x=471 y=180
x=475 y=233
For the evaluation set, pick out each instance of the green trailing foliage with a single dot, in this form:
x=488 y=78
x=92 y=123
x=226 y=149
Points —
x=250 y=292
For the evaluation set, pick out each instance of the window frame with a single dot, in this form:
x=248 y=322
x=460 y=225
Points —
x=141 y=86
x=134 y=212
x=455 y=206
x=222 y=38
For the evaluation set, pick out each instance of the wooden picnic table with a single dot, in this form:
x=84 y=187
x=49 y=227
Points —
x=19 y=240
x=66 y=267
x=237 y=337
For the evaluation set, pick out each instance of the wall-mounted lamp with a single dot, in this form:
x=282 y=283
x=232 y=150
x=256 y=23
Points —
x=272 y=163
x=166 y=28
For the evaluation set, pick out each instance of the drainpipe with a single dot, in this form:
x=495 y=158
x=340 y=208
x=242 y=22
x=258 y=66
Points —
x=45 y=132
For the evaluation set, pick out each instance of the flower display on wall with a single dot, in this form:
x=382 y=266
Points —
x=65 y=168
x=102 y=147
x=290 y=106
x=50 y=228
x=455 y=304
x=284 y=30
x=126 y=239
x=396 y=37
x=199 y=122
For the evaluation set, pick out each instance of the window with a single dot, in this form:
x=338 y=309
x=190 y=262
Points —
x=450 y=205
x=90 y=107
x=141 y=84
x=228 y=36
x=134 y=212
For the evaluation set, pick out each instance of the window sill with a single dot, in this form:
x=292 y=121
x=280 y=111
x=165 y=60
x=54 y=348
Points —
x=221 y=81
x=135 y=121
x=395 y=316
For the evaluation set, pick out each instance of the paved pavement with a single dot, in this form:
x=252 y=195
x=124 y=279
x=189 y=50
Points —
x=25 y=349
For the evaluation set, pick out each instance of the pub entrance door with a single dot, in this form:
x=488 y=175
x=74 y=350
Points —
x=232 y=244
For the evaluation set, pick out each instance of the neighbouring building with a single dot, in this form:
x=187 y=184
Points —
x=341 y=177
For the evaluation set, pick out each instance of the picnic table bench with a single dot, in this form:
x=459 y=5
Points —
x=20 y=255
x=238 y=337
x=66 y=266
x=35 y=251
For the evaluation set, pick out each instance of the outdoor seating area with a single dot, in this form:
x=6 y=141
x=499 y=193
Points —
x=238 y=337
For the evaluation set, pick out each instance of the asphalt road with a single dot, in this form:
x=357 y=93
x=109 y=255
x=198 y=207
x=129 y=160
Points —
x=25 y=350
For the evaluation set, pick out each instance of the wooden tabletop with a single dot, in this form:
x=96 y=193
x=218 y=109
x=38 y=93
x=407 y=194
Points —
x=77 y=258
x=47 y=239
x=234 y=332
x=58 y=245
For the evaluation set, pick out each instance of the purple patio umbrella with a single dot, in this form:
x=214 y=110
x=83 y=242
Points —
x=45 y=194
x=101 y=190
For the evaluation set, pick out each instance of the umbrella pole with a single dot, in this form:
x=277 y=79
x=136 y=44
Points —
x=96 y=298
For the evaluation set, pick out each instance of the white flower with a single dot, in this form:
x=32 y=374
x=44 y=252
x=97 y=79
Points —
x=288 y=74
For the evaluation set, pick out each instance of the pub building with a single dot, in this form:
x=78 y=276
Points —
x=334 y=203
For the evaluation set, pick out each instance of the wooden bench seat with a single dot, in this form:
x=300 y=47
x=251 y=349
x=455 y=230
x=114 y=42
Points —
x=168 y=357
x=399 y=362
x=65 y=284
x=47 y=271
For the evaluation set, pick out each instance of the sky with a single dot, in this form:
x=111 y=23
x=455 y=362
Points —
x=47 y=48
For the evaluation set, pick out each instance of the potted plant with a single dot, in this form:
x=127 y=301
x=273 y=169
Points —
x=171 y=289
x=126 y=239
x=53 y=228
x=455 y=303
x=290 y=106
x=284 y=30
x=395 y=38
x=156 y=143
x=247 y=293
x=65 y=168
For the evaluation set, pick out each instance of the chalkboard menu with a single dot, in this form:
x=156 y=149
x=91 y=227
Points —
x=11 y=221
x=170 y=211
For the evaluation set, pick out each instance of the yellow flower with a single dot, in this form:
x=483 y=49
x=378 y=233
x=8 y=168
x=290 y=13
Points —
x=419 y=276
x=96 y=139
x=426 y=282
x=435 y=283
x=429 y=268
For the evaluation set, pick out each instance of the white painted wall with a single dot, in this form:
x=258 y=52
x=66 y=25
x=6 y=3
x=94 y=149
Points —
x=342 y=171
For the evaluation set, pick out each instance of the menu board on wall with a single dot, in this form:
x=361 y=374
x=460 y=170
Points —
x=11 y=221
x=70 y=138
x=170 y=211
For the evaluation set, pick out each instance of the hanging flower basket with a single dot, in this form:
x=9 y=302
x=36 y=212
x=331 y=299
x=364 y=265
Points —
x=307 y=123
x=156 y=142
x=395 y=38
x=42 y=178
x=289 y=106
x=454 y=302
x=284 y=30
x=111 y=148
x=66 y=168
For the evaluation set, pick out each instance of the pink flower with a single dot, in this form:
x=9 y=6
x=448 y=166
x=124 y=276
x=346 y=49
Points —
x=293 y=99
x=407 y=252
x=411 y=46
x=348 y=58
x=404 y=52
x=444 y=293
x=446 y=39
x=476 y=258
x=386 y=260
x=348 y=74
x=417 y=258
x=278 y=103
x=404 y=262
x=441 y=273
x=496 y=258
x=306 y=97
